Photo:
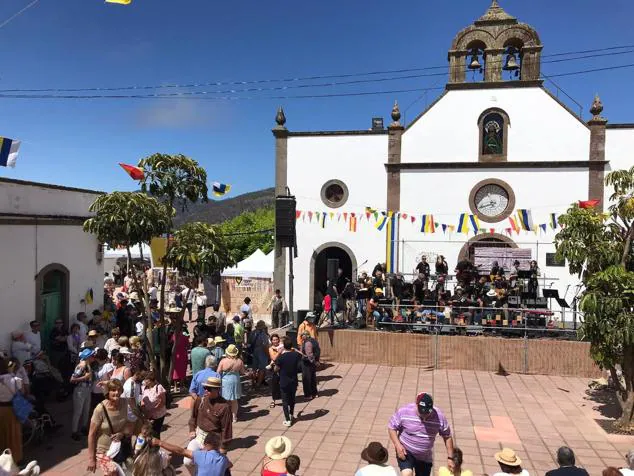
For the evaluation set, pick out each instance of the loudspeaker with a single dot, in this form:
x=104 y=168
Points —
x=331 y=270
x=285 y=220
x=215 y=278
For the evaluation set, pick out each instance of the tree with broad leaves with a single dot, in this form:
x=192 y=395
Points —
x=125 y=219
x=175 y=180
x=598 y=247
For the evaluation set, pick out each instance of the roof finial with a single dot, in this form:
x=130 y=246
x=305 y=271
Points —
x=597 y=107
x=280 y=118
x=495 y=3
x=396 y=114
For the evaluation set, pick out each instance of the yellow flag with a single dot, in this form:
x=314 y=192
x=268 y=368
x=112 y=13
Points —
x=120 y=2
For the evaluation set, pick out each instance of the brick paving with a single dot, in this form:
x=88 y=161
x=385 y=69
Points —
x=532 y=414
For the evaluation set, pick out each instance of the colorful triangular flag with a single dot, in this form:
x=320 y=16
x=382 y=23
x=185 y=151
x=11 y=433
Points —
x=133 y=171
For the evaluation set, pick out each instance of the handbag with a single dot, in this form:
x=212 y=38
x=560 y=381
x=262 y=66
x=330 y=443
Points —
x=125 y=445
x=22 y=408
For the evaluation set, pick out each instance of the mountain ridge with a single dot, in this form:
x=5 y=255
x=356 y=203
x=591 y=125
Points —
x=218 y=211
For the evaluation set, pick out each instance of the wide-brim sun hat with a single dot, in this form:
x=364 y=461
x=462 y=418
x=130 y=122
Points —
x=219 y=340
x=508 y=457
x=232 y=351
x=491 y=293
x=278 y=447
x=213 y=382
x=375 y=453
x=86 y=354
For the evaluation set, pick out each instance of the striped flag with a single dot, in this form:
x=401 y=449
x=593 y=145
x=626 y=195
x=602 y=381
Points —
x=352 y=225
x=380 y=223
x=133 y=171
x=475 y=223
x=514 y=225
x=463 y=223
x=8 y=151
x=427 y=224
x=220 y=189
x=526 y=219
x=553 y=221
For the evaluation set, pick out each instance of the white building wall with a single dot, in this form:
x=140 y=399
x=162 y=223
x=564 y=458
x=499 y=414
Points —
x=358 y=161
x=42 y=200
x=540 y=128
x=619 y=152
x=27 y=249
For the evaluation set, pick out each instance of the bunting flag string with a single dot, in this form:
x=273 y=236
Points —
x=522 y=220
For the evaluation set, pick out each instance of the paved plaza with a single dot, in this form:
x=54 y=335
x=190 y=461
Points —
x=532 y=414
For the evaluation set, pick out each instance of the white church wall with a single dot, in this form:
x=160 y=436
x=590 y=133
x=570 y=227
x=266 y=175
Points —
x=619 y=151
x=43 y=200
x=356 y=160
x=540 y=128
x=27 y=250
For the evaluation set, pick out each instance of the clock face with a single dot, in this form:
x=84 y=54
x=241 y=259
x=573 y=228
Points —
x=491 y=200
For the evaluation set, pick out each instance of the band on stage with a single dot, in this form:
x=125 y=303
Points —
x=479 y=296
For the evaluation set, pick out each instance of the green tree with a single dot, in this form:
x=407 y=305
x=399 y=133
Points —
x=197 y=251
x=175 y=180
x=243 y=233
x=124 y=219
x=598 y=247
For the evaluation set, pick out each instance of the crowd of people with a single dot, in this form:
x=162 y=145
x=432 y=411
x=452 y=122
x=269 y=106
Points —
x=382 y=298
x=120 y=398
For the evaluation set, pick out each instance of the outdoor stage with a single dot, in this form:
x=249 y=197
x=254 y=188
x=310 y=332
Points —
x=437 y=351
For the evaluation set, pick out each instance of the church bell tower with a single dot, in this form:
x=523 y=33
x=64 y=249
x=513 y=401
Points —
x=495 y=48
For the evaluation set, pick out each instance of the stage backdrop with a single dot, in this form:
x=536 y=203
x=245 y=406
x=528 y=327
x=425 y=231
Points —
x=235 y=289
x=492 y=354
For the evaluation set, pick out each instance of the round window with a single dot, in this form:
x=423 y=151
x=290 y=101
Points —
x=334 y=193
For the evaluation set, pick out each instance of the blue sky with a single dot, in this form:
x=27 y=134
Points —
x=87 y=43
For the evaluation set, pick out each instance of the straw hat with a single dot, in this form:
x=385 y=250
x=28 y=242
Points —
x=211 y=341
x=492 y=293
x=508 y=457
x=219 y=340
x=93 y=333
x=232 y=351
x=213 y=382
x=278 y=447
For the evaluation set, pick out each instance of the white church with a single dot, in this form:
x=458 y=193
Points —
x=421 y=174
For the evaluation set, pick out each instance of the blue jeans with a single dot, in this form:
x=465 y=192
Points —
x=420 y=468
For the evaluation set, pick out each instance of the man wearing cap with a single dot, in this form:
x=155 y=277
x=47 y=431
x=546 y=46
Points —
x=210 y=414
x=82 y=379
x=413 y=429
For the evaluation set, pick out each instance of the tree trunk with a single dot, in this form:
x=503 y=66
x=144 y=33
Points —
x=164 y=377
x=626 y=396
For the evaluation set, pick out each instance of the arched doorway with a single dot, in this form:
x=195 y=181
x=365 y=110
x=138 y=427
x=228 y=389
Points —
x=52 y=287
x=319 y=268
x=494 y=240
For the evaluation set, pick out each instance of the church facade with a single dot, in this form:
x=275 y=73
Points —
x=482 y=188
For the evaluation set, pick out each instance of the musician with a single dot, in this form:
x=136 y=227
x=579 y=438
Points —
x=341 y=281
x=533 y=280
x=378 y=282
x=460 y=304
x=363 y=277
x=465 y=271
x=378 y=267
x=419 y=285
x=372 y=312
x=515 y=271
x=442 y=268
x=423 y=268
x=496 y=270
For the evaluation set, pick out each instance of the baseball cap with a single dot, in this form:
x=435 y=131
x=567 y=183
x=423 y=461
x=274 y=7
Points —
x=425 y=403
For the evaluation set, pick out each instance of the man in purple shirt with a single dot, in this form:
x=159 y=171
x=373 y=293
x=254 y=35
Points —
x=413 y=429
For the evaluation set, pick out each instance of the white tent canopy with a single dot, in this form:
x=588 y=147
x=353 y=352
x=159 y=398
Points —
x=258 y=265
x=122 y=253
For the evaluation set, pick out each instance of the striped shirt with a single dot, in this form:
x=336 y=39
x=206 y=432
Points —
x=416 y=435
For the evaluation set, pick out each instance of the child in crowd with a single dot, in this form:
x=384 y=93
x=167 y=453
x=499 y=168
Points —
x=292 y=465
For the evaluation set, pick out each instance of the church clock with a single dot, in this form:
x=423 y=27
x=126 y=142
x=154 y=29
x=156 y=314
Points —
x=492 y=200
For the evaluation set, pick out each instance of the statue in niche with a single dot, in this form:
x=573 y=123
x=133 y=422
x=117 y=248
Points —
x=493 y=141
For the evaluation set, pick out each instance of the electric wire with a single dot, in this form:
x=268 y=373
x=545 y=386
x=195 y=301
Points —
x=629 y=49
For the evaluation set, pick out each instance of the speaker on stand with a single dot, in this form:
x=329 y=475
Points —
x=331 y=270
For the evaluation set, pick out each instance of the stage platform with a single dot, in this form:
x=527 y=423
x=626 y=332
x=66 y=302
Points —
x=543 y=356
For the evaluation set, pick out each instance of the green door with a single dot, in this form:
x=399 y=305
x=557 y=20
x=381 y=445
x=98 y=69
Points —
x=52 y=303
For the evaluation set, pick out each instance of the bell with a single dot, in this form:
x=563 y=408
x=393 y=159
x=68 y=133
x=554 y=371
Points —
x=475 y=64
x=511 y=63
